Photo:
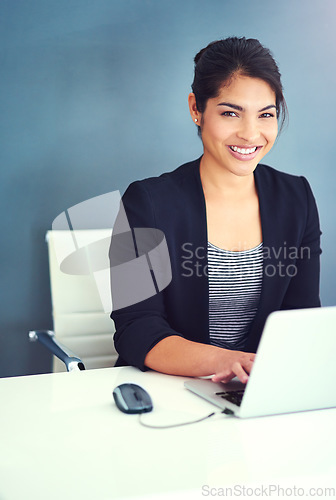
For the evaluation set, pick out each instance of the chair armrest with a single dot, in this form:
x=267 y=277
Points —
x=47 y=338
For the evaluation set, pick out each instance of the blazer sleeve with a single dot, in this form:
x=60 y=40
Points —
x=140 y=326
x=304 y=288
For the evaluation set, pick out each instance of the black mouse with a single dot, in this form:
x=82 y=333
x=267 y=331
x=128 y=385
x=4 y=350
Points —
x=131 y=398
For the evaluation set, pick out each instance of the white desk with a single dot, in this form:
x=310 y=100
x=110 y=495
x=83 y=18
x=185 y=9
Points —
x=62 y=437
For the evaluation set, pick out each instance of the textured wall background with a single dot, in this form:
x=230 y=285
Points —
x=93 y=95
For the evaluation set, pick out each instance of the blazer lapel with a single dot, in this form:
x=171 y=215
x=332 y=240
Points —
x=270 y=214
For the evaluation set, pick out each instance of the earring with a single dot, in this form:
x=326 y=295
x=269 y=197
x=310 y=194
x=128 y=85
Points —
x=196 y=120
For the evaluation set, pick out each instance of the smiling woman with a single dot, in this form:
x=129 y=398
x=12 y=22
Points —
x=232 y=210
x=234 y=143
x=239 y=124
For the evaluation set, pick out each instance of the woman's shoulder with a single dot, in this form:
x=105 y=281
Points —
x=272 y=178
x=165 y=198
x=272 y=174
x=167 y=180
x=282 y=186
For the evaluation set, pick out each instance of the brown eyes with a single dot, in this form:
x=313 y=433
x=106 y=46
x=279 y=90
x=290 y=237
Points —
x=233 y=114
x=267 y=115
x=229 y=113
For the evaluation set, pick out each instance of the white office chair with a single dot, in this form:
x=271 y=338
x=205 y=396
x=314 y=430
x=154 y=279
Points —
x=80 y=302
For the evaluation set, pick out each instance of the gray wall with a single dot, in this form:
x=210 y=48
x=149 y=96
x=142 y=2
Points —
x=94 y=95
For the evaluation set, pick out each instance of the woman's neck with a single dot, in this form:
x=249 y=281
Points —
x=220 y=182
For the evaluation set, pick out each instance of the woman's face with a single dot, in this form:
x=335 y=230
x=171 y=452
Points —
x=239 y=126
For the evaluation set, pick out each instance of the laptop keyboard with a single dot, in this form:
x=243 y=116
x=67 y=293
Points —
x=234 y=397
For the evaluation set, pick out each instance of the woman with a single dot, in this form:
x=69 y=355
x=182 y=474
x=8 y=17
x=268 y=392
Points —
x=243 y=238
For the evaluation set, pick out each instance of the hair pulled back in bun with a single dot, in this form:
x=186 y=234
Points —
x=217 y=63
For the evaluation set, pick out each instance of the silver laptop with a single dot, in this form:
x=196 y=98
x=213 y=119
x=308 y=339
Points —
x=294 y=369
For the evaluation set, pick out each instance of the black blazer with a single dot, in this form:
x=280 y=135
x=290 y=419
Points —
x=175 y=204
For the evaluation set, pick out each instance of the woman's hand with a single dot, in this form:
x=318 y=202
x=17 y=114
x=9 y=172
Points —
x=234 y=364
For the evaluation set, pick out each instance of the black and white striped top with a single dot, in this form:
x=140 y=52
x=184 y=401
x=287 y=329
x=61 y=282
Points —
x=234 y=291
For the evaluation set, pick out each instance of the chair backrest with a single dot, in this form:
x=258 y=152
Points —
x=80 y=302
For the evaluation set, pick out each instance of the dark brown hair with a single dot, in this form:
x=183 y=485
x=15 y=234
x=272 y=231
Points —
x=220 y=60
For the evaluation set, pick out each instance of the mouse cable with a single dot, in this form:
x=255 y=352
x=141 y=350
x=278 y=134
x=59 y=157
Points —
x=226 y=411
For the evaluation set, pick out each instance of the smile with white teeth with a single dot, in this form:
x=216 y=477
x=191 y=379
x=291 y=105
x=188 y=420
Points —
x=243 y=151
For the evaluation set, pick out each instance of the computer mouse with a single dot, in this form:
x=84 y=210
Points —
x=131 y=398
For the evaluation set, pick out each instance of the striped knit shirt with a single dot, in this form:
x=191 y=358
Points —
x=234 y=291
